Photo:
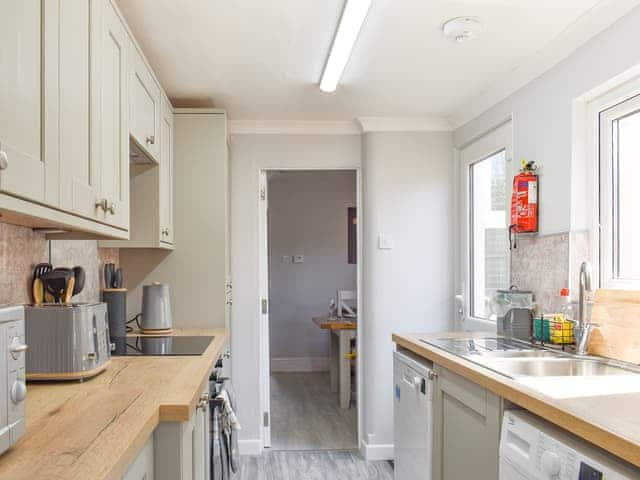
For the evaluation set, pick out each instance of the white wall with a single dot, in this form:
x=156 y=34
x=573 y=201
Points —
x=543 y=117
x=307 y=216
x=407 y=195
x=249 y=154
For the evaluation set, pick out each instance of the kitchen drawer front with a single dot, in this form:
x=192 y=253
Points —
x=145 y=107
x=468 y=393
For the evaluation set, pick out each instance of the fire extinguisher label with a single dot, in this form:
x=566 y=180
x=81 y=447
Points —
x=533 y=192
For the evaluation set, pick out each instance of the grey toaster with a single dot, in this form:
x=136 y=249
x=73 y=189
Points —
x=66 y=341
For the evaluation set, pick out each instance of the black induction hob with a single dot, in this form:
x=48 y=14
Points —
x=156 y=345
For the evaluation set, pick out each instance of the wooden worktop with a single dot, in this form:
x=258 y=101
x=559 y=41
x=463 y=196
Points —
x=94 y=430
x=611 y=422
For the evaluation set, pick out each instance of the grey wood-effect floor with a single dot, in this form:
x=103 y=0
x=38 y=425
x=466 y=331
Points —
x=312 y=438
x=325 y=465
x=305 y=415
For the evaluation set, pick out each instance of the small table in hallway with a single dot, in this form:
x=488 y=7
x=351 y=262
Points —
x=342 y=332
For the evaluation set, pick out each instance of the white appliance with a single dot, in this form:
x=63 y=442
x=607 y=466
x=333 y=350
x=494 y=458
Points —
x=13 y=389
x=413 y=416
x=532 y=449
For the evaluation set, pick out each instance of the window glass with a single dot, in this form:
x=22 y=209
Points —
x=489 y=269
x=625 y=200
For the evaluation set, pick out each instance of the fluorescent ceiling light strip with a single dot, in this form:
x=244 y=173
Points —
x=350 y=24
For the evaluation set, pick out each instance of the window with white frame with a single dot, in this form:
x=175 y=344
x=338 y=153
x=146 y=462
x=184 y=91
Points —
x=619 y=148
x=489 y=250
x=485 y=178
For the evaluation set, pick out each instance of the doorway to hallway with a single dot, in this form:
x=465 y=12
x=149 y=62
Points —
x=311 y=285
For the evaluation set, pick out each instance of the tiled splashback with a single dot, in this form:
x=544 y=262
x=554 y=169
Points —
x=85 y=253
x=21 y=249
x=545 y=264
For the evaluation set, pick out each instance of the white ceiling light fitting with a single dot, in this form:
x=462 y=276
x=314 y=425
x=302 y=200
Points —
x=462 y=29
x=351 y=22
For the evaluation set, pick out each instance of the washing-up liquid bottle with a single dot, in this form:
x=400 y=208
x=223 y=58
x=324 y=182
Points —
x=566 y=308
x=563 y=333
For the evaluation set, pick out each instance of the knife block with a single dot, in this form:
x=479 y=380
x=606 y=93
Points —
x=116 y=300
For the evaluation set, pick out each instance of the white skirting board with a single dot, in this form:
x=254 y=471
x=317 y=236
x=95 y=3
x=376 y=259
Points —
x=250 y=447
x=375 y=452
x=300 y=364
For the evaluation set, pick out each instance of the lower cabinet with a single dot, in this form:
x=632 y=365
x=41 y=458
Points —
x=142 y=467
x=181 y=449
x=467 y=420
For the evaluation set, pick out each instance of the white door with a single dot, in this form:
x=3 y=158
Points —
x=110 y=114
x=263 y=233
x=20 y=99
x=485 y=197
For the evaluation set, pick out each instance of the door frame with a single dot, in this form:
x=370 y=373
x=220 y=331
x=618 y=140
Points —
x=263 y=293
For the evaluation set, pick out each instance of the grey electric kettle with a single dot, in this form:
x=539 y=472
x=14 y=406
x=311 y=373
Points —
x=156 y=309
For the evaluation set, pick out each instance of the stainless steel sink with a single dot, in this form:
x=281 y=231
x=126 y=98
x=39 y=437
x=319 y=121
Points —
x=551 y=367
x=518 y=359
x=518 y=354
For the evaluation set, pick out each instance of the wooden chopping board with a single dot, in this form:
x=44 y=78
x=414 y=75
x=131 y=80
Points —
x=618 y=314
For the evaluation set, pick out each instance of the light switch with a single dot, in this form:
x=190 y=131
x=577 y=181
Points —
x=286 y=259
x=298 y=259
x=385 y=242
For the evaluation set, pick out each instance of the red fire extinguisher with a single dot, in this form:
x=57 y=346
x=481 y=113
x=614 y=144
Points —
x=524 y=200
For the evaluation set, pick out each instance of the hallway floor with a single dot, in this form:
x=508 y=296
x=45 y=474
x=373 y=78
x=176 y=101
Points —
x=312 y=438
x=305 y=415
x=324 y=465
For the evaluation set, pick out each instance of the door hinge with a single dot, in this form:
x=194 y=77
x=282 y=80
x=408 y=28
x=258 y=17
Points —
x=265 y=417
x=265 y=306
x=263 y=193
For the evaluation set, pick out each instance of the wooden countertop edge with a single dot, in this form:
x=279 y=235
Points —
x=614 y=443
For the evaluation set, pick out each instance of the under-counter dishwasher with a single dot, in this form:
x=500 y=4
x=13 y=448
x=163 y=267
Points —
x=413 y=416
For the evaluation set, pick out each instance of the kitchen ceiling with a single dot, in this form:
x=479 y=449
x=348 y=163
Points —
x=262 y=60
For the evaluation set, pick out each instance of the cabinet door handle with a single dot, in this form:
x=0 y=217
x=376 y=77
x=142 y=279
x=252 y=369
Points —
x=203 y=402
x=112 y=209
x=102 y=204
x=151 y=140
x=4 y=160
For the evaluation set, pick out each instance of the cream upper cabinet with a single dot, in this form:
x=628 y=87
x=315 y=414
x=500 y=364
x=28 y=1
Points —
x=166 y=173
x=22 y=169
x=72 y=173
x=110 y=59
x=145 y=107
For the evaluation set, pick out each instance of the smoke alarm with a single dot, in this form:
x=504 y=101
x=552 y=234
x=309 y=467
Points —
x=462 y=29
